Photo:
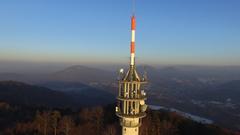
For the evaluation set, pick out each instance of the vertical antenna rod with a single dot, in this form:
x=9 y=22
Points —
x=133 y=6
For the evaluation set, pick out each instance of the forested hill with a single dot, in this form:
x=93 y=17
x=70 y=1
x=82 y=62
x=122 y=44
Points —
x=25 y=120
x=24 y=94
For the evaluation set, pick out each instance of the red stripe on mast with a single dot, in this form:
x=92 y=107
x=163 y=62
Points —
x=132 y=47
x=133 y=23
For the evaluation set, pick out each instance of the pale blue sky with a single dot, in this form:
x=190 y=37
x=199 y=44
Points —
x=201 y=32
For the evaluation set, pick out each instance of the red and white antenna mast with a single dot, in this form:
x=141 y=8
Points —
x=133 y=29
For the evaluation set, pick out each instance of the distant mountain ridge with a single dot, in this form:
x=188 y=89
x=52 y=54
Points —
x=82 y=74
x=85 y=74
x=12 y=76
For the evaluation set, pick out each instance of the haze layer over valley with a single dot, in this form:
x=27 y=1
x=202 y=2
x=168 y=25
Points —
x=207 y=91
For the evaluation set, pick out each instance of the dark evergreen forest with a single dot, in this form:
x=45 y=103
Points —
x=99 y=120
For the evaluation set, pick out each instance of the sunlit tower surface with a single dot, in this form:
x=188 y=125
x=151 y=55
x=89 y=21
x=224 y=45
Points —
x=131 y=98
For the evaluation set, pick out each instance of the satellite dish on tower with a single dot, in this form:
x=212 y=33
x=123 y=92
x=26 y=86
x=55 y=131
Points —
x=121 y=71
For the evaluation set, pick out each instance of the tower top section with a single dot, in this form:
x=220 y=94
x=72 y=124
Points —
x=132 y=74
x=131 y=107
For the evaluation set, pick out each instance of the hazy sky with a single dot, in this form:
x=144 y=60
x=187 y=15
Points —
x=202 y=32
